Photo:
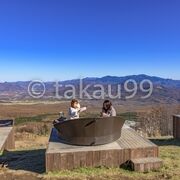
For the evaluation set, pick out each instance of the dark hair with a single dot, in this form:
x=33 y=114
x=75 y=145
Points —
x=74 y=101
x=108 y=104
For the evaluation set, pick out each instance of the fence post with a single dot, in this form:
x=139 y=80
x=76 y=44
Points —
x=176 y=126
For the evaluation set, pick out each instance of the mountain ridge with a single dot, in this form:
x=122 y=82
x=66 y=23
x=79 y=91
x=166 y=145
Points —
x=164 y=89
x=107 y=76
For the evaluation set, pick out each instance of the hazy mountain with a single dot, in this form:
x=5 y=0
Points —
x=164 y=90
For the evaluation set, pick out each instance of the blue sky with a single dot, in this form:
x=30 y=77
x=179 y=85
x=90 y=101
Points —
x=65 y=39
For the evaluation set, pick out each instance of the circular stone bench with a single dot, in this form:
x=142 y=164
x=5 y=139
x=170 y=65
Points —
x=90 y=131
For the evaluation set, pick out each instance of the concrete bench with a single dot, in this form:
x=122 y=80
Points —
x=6 y=135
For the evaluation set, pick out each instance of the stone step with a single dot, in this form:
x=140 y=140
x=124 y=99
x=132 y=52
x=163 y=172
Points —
x=146 y=164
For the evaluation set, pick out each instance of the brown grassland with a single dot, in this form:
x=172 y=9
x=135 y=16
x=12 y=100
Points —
x=33 y=122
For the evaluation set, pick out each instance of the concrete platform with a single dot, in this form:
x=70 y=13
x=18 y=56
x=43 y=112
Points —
x=131 y=145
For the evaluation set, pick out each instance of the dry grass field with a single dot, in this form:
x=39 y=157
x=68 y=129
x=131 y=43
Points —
x=33 y=122
x=21 y=109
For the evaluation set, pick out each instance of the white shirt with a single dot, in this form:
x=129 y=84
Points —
x=74 y=112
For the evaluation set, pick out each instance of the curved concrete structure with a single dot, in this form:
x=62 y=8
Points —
x=90 y=131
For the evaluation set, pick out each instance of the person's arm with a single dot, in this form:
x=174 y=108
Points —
x=113 y=112
x=103 y=114
x=82 y=109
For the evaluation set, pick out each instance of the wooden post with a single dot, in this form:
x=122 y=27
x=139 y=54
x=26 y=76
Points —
x=176 y=126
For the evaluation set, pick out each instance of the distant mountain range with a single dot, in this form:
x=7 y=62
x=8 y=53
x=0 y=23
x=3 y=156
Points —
x=164 y=90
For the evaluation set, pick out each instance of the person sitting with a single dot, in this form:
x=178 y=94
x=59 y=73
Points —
x=75 y=109
x=108 y=110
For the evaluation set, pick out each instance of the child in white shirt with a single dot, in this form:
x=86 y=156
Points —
x=75 y=109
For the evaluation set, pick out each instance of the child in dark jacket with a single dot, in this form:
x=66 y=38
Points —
x=107 y=109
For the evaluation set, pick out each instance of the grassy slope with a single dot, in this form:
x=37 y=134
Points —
x=32 y=161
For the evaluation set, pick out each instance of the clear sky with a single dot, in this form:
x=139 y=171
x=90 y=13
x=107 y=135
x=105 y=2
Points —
x=65 y=39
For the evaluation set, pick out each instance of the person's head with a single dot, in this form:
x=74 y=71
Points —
x=75 y=103
x=107 y=105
